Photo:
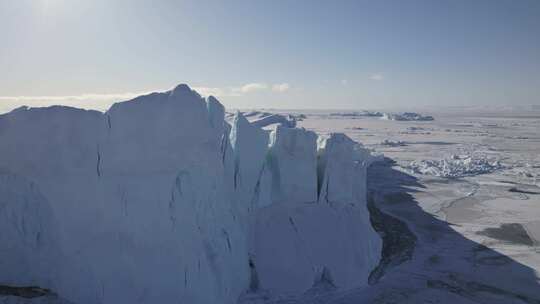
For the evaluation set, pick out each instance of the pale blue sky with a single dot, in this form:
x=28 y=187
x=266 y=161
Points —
x=281 y=54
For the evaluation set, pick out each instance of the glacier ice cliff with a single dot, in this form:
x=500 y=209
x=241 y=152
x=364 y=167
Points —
x=159 y=200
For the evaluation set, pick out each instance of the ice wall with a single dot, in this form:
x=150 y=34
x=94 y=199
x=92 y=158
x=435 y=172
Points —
x=249 y=144
x=319 y=223
x=26 y=233
x=159 y=200
x=138 y=195
x=292 y=160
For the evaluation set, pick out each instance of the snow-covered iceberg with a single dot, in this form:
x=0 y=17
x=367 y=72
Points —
x=159 y=200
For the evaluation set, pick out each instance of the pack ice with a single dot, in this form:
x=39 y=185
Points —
x=159 y=200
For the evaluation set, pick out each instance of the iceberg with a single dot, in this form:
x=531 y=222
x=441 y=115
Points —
x=160 y=200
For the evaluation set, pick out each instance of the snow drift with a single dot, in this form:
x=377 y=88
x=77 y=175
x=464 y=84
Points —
x=159 y=200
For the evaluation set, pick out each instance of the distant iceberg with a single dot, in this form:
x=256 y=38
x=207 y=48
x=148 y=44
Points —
x=407 y=116
x=358 y=114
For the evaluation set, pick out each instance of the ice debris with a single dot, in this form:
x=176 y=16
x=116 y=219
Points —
x=393 y=143
x=407 y=116
x=456 y=166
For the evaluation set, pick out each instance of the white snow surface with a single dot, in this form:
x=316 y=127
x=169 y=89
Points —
x=159 y=200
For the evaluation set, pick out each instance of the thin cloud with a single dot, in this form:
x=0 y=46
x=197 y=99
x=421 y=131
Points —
x=86 y=101
x=218 y=92
x=281 y=87
x=245 y=89
x=102 y=102
x=377 y=77
x=81 y=97
x=253 y=87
